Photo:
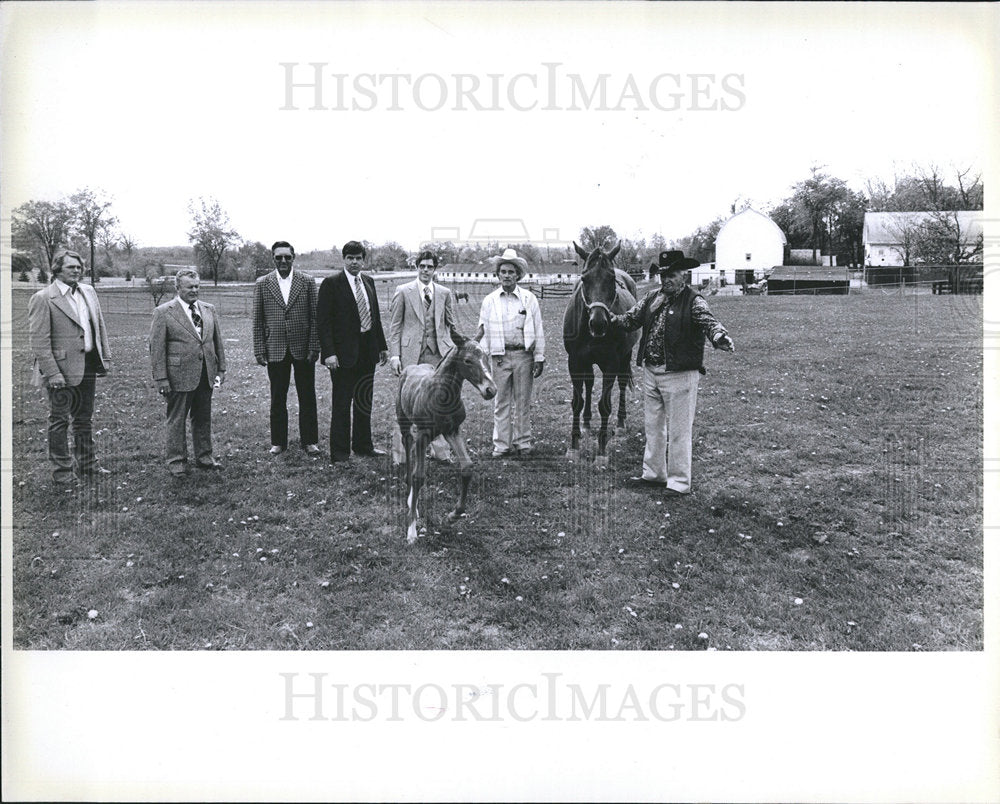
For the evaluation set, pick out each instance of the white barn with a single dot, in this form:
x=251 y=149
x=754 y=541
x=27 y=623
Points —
x=886 y=233
x=748 y=241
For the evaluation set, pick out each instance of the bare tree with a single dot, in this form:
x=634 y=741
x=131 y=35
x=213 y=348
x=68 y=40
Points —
x=44 y=225
x=108 y=238
x=211 y=234
x=91 y=215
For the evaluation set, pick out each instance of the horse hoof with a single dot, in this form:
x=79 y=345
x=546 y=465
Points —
x=601 y=462
x=411 y=533
x=572 y=455
x=453 y=516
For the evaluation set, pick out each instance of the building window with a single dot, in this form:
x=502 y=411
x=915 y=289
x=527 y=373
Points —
x=748 y=256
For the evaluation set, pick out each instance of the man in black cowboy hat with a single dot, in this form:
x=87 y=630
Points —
x=675 y=322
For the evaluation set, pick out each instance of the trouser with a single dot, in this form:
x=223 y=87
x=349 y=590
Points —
x=439 y=447
x=198 y=405
x=279 y=374
x=512 y=405
x=669 y=403
x=352 y=390
x=73 y=403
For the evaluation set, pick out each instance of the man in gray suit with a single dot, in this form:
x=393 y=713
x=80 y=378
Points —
x=285 y=340
x=422 y=320
x=189 y=360
x=70 y=344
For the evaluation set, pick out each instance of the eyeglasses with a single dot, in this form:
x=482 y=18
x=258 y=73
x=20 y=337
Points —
x=283 y=258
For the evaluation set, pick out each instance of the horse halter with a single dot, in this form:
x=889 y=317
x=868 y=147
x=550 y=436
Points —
x=591 y=305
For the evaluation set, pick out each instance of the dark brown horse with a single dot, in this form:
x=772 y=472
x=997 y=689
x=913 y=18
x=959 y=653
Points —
x=590 y=340
x=429 y=404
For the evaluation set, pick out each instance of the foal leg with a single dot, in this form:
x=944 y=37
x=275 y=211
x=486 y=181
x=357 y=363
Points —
x=457 y=444
x=417 y=463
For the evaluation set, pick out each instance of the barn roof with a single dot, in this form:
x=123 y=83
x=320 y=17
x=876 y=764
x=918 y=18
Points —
x=886 y=227
x=750 y=213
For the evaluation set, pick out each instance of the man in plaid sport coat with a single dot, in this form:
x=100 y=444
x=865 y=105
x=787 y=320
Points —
x=285 y=340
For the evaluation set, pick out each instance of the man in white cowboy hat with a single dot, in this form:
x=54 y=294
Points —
x=675 y=322
x=510 y=330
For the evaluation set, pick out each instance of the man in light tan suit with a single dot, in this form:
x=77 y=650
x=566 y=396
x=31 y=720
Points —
x=422 y=320
x=70 y=344
x=189 y=360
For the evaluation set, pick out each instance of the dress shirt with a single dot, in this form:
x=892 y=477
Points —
x=285 y=285
x=82 y=312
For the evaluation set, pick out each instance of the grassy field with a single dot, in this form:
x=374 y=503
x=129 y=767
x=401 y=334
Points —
x=837 y=505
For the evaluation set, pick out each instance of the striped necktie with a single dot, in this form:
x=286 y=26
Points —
x=427 y=298
x=359 y=297
x=195 y=318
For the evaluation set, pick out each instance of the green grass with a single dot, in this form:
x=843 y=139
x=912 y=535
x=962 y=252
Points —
x=837 y=461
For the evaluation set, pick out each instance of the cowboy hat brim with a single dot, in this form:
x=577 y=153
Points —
x=683 y=264
x=519 y=262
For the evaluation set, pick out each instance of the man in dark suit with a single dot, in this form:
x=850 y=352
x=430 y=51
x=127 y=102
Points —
x=70 y=344
x=285 y=340
x=189 y=360
x=351 y=342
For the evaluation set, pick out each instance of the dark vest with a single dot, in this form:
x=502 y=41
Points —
x=683 y=341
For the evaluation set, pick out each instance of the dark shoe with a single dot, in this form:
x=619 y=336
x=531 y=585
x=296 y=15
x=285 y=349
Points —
x=374 y=452
x=178 y=469
x=213 y=464
x=64 y=481
x=675 y=493
x=312 y=449
x=276 y=450
x=641 y=481
x=339 y=457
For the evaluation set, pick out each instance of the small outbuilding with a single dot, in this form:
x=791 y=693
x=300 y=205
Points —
x=811 y=280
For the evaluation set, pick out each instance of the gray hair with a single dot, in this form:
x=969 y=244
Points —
x=190 y=272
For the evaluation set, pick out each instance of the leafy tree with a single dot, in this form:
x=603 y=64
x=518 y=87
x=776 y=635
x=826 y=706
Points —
x=813 y=203
x=700 y=245
x=592 y=237
x=44 y=225
x=211 y=234
x=940 y=240
x=108 y=238
x=388 y=257
x=90 y=217
x=253 y=259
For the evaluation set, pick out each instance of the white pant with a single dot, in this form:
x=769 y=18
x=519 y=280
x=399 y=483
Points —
x=669 y=402
x=512 y=372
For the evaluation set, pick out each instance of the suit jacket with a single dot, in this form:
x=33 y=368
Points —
x=279 y=328
x=177 y=352
x=56 y=335
x=406 y=323
x=338 y=322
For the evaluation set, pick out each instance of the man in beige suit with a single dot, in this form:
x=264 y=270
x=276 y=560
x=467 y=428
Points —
x=422 y=320
x=70 y=344
x=189 y=360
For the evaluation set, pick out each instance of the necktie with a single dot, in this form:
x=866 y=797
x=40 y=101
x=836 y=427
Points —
x=363 y=312
x=195 y=318
x=427 y=298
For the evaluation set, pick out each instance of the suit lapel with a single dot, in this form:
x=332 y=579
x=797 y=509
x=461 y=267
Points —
x=416 y=300
x=60 y=301
x=275 y=288
x=294 y=290
x=181 y=316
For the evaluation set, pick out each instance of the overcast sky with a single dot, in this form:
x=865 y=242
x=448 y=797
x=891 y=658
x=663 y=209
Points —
x=157 y=103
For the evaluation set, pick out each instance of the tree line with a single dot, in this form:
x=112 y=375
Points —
x=821 y=213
